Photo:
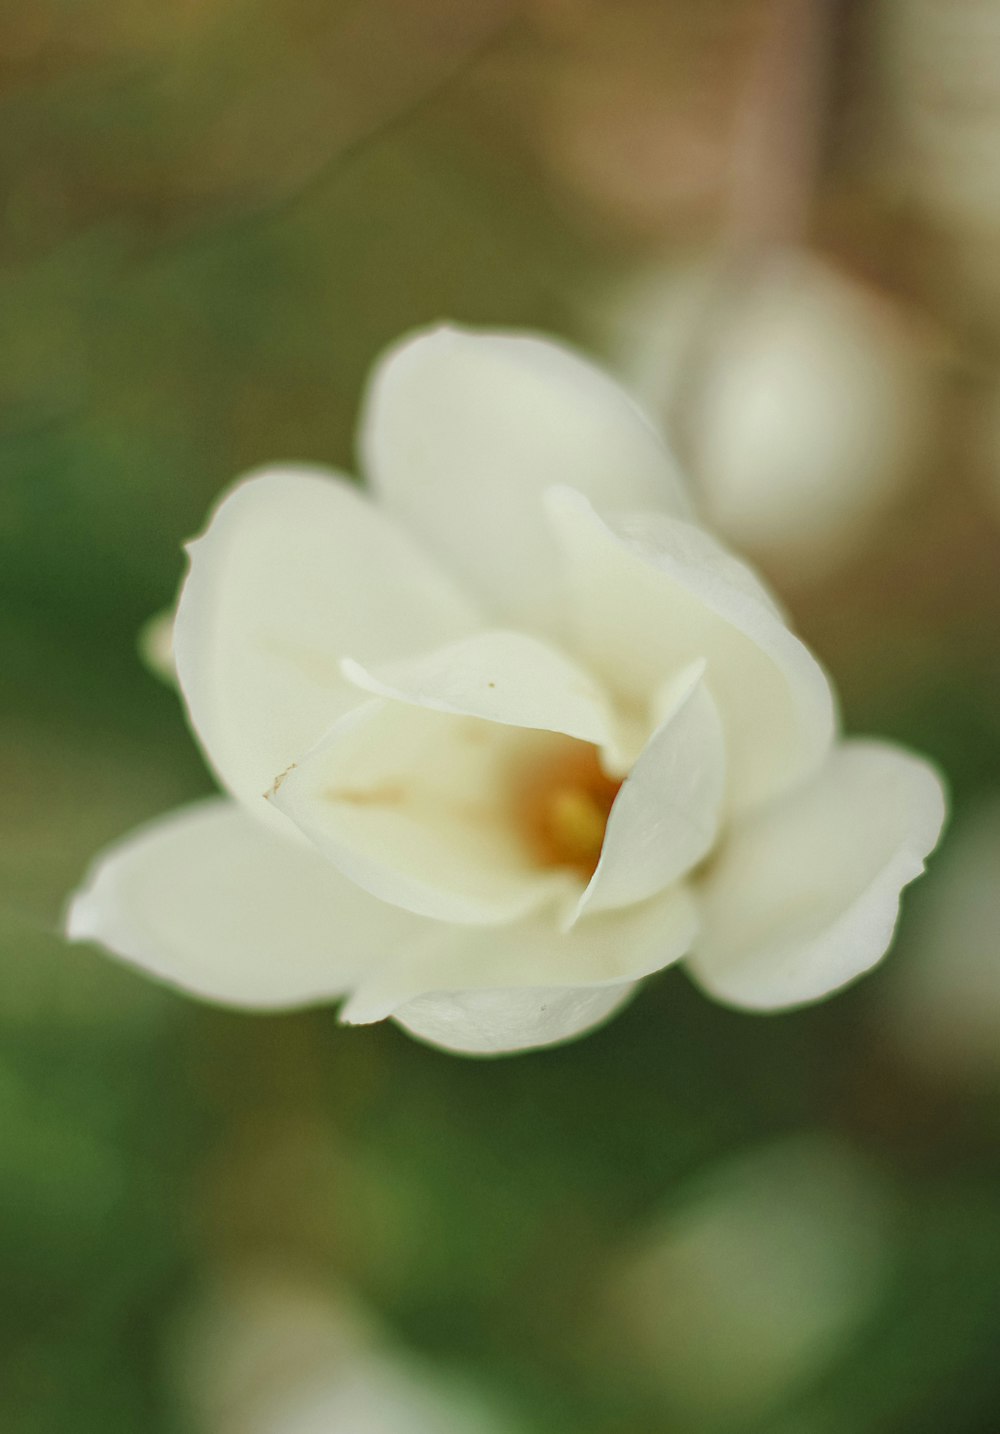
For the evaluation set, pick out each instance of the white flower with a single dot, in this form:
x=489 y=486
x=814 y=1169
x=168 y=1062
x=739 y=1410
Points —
x=265 y=1352
x=504 y=737
x=753 y=1282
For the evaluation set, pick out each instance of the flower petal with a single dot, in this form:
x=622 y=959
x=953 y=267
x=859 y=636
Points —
x=414 y=799
x=415 y=806
x=650 y=593
x=496 y=1023
x=208 y=899
x=461 y=434
x=493 y=989
x=804 y=896
x=500 y=676
x=295 y=569
x=666 y=816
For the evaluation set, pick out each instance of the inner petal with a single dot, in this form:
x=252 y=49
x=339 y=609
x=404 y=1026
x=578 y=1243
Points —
x=484 y=778
x=666 y=817
x=420 y=808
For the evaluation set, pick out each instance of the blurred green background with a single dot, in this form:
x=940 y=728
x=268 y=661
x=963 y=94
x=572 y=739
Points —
x=215 y=216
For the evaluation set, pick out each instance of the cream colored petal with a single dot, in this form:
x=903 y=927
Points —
x=462 y=432
x=495 y=1023
x=500 y=676
x=295 y=569
x=665 y=817
x=416 y=799
x=804 y=896
x=210 y=900
x=649 y=594
x=415 y=806
x=492 y=989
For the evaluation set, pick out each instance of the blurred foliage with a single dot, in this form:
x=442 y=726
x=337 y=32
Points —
x=215 y=216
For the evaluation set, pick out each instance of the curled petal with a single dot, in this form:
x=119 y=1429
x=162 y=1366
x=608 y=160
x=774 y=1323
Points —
x=501 y=677
x=666 y=816
x=804 y=896
x=649 y=594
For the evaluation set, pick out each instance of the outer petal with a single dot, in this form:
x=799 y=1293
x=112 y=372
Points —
x=209 y=900
x=496 y=1023
x=666 y=815
x=461 y=434
x=295 y=569
x=650 y=593
x=804 y=897
x=494 y=989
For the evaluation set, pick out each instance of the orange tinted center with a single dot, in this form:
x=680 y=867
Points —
x=562 y=806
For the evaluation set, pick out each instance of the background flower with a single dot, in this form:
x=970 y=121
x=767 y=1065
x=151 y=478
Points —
x=757 y=1280
x=805 y=403
x=265 y=1353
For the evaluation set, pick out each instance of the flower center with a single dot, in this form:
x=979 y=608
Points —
x=562 y=806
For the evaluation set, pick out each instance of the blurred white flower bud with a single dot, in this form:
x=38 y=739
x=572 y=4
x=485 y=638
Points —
x=757 y=1281
x=944 y=1000
x=800 y=400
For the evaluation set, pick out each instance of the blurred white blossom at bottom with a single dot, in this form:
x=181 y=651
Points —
x=801 y=398
x=269 y=1353
x=755 y=1282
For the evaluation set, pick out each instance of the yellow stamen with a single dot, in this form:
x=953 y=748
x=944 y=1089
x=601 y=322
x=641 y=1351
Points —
x=562 y=806
x=576 y=821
